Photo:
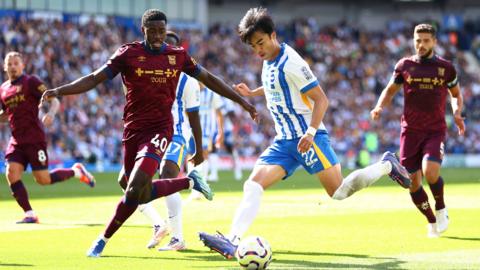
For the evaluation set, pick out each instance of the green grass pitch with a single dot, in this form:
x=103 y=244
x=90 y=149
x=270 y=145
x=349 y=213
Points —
x=377 y=228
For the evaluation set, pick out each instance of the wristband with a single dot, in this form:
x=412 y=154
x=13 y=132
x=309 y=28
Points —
x=311 y=131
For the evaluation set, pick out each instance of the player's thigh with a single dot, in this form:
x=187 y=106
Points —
x=42 y=177
x=14 y=171
x=433 y=152
x=37 y=156
x=277 y=159
x=411 y=150
x=331 y=178
x=267 y=175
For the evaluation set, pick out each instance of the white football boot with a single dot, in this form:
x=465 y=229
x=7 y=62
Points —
x=442 y=219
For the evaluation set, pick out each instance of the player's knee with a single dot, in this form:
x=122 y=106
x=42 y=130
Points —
x=431 y=177
x=43 y=181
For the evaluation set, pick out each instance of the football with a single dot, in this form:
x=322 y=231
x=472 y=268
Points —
x=254 y=252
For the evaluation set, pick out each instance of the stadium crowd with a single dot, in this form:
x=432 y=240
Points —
x=352 y=65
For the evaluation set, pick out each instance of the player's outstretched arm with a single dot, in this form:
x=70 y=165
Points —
x=385 y=99
x=219 y=86
x=457 y=106
x=194 y=120
x=78 y=86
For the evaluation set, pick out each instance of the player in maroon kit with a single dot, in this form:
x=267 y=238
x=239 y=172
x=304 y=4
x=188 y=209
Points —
x=19 y=99
x=150 y=71
x=427 y=80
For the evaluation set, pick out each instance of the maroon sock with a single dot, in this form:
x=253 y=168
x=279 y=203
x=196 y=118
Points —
x=123 y=212
x=420 y=199
x=167 y=186
x=60 y=175
x=437 y=191
x=20 y=194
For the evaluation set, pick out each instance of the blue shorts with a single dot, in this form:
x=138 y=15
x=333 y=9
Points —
x=285 y=154
x=177 y=150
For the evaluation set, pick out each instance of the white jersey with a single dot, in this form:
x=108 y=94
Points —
x=209 y=103
x=285 y=80
x=186 y=100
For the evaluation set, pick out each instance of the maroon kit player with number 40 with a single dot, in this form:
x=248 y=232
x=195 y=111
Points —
x=427 y=80
x=19 y=99
x=150 y=71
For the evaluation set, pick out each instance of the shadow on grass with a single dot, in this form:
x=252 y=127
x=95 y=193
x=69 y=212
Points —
x=2 y=264
x=463 y=238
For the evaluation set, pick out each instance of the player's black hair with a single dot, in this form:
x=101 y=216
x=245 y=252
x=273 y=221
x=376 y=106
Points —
x=256 y=19
x=153 y=15
x=426 y=28
x=173 y=35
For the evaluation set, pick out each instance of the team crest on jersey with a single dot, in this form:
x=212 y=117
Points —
x=441 y=72
x=172 y=60
x=308 y=75
x=18 y=88
x=42 y=88
x=141 y=58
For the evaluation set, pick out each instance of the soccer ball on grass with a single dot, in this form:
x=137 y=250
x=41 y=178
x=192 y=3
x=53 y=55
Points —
x=254 y=253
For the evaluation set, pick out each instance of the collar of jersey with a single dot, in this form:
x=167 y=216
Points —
x=17 y=79
x=282 y=50
x=428 y=60
x=155 y=52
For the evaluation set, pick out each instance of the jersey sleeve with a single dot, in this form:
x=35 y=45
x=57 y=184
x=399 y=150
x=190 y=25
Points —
x=190 y=66
x=300 y=75
x=37 y=86
x=397 y=76
x=192 y=95
x=117 y=62
x=452 y=79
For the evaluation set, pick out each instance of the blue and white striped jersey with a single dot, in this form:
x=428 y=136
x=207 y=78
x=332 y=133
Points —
x=186 y=100
x=285 y=81
x=209 y=103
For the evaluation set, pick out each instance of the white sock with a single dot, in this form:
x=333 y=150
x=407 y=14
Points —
x=213 y=160
x=174 y=206
x=247 y=210
x=30 y=213
x=237 y=169
x=76 y=172
x=149 y=211
x=362 y=178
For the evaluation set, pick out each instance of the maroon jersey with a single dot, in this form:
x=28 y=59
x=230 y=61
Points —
x=150 y=79
x=425 y=85
x=20 y=99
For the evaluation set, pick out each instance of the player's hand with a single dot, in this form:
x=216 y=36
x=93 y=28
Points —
x=48 y=95
x=459 y=121
x=243 y=89
x=305 y=143
x=47 y=119
x=197 y=158
x=375 y=113
x=250 y=109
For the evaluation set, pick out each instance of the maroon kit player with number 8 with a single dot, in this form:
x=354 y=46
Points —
x=19 y=99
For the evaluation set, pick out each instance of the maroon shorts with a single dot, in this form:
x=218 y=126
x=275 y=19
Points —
x=34 y=154
x=415 y=145
x=144 y=144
